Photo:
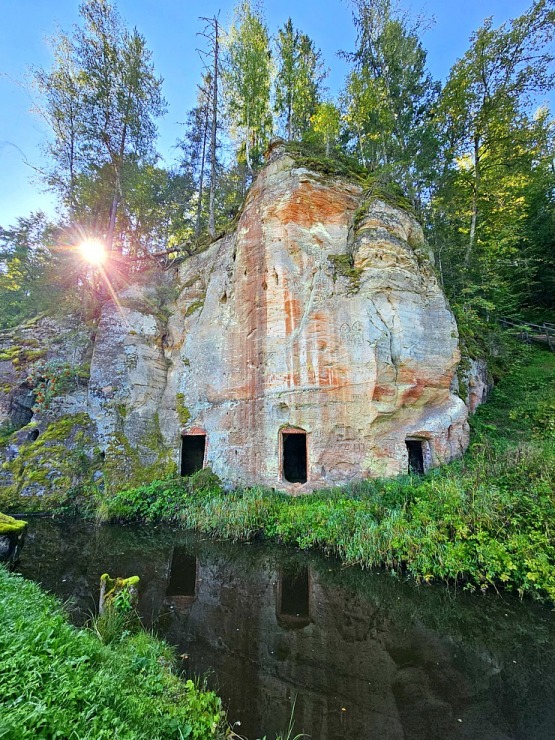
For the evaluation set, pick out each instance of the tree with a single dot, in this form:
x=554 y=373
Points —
x=488 y=90
x=247 y=78
x=326 y=125
x=390 y=97
x=298 y=81
x=212 y=34
x=25 y=258
x=498 y=155
x=195 y=145
x=101 y=99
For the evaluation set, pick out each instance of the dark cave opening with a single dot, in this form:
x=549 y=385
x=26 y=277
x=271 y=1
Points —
x=416 y=456
x=294 y=457
x=193 y=447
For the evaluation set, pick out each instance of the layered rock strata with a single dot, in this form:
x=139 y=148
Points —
x=311 y=347
x=322 y=316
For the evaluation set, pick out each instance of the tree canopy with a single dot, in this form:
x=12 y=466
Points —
x=474 y=156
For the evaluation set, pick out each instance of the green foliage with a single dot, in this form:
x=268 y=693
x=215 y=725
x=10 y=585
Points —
x=161 y=500
x=100 y=99
x=26 y=287
x=487 y=520
x=492 y=235
x=298 y=80
x=389 y=97
x=58 y=681
x=53 y=378
x=246 y=76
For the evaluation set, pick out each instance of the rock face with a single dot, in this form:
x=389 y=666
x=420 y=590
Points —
x=310 y=348
x=323 y=335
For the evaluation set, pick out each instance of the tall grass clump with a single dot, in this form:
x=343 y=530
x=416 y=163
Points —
x=60 y=682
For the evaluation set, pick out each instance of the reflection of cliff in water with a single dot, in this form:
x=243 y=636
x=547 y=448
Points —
x=365 y=655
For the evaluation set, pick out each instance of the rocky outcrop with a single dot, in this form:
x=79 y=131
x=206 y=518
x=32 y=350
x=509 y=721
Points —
x=322 y=317
x=478 y=383
x=311 y=347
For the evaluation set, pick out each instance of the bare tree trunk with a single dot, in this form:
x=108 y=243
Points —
x=214 y=132
x=290 y=116
x=201 y=178
x=475 y=191
x=112 y=219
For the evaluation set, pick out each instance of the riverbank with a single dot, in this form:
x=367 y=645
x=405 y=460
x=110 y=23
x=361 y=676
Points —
x=59 y=681
x=485 y=521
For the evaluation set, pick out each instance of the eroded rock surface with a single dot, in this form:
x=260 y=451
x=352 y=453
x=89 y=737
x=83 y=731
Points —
x=301 y=351
x=323 y=315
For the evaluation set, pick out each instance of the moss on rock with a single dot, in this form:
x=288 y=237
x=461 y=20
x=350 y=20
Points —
x=9 y=525
x=123 y=467
x=49 y=470
x=343 y=266
x=182 y=410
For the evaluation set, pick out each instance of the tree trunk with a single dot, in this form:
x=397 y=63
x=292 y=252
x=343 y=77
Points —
x=475 y=191
x=214 y=132
x=201 y=178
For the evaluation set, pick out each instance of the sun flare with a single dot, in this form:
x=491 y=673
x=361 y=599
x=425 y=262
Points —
x=93 y=251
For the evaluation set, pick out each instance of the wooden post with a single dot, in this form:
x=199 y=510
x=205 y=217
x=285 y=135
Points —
x=550 y=336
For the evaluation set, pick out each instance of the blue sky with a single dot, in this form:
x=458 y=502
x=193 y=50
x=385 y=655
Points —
x=170 y=27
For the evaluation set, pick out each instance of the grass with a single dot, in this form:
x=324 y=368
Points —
x=487 y=520
x=60 y=682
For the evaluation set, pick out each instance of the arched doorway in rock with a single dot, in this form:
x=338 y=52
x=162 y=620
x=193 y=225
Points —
x=415 y=450
x=294 y=455
x=193 y=451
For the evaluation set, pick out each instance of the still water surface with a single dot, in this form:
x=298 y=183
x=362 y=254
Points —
x=362 y=654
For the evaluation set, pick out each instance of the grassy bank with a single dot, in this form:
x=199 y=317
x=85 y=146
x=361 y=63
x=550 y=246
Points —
x=486 y=521
x=58 y=681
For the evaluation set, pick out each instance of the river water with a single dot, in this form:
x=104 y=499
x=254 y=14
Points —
x=359 y=654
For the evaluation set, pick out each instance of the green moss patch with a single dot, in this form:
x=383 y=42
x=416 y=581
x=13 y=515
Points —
x=21 y=356
x=343 y=265
x=182 y=410
x=123 y=467
x=9 y=525
x=53 y=469
x=194 y=307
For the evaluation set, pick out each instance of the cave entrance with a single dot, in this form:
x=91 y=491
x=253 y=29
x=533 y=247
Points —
x=193 y=448
x=416 y=456
x=294 y=457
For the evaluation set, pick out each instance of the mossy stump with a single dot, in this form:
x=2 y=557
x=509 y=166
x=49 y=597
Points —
x=12 y=536
x=120 y=594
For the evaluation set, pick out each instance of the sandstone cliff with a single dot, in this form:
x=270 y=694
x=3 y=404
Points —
x=311 y=347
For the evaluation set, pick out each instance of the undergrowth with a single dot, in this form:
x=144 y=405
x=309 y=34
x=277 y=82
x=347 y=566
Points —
x=60 y=682
x=487 y=520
